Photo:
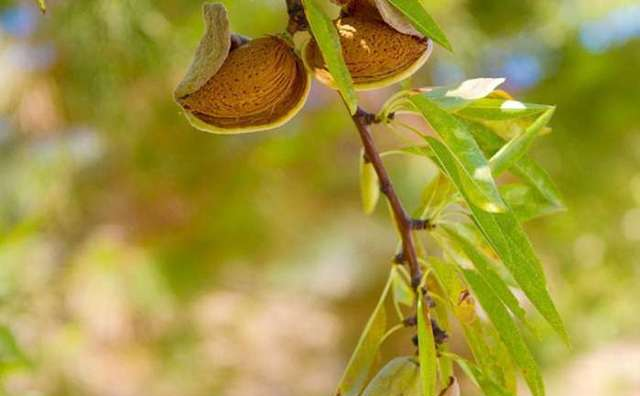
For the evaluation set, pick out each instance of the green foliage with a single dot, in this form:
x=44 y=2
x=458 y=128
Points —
x=484 y=266
x=466 y=154
x=505 y=235
x=478 y=136
x=508 y=331
x=369 y=186
x=486 y=384
x=511 y=152
x=399 y=377
x=426 y=351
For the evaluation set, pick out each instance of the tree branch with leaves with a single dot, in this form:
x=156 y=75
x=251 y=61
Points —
x=472 y=133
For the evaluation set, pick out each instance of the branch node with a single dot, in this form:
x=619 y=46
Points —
x=439 y=335
x=367 y=118
x=420 y=224
x=416 y=279
x=411 y=321
x=297 y=18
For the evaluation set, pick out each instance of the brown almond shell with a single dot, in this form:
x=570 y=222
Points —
x=258 y=84
x=375 y=54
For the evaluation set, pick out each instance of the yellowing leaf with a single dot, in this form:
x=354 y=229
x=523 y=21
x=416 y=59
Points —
x=465 y=308
x=402 y=291
x=355 y=375
x=399 y=377
x=369 y=186
x=508 y=331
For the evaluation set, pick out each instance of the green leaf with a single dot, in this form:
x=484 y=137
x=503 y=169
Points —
x=436 y=195
x=402 y=291
x=399 y=377
x=501 y=110
x=526 y=169
x=355 y=375
x=480 y=379
x=526 y=202
x=427 y=351
x=484 y=266
x=447 y=276
x=508 y=239
x=465 y=94
x=515 y=149
x=326 y=36
x=43 y=6
x=460 y=144
x=369 y=186
x=422 y=21
x=536 y=177
x=507 y=330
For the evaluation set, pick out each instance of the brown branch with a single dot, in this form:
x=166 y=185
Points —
x=297 y=19
x=405 y=224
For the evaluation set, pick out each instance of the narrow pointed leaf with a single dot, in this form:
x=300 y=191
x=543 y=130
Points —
x=399 y=377
x=422 y=21
x=484 y=267
x=326 y=36
x=536 y=177
x=515 y=149
x=369 y=186
x=526 y=202
x=447 y=276
x=356 y=374
x=508 y=239
x=480 y=379
x=526 y=169
x=402 y=291
x=508 y=331
x=467 y=93
x=427 y=351
x=459 y=142
x=43 y=5
x=501 y=110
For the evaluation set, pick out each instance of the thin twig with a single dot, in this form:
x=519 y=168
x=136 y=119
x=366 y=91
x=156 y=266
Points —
x=405 y=224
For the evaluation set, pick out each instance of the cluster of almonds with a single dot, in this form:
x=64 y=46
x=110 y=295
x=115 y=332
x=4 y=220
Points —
x=237 y=85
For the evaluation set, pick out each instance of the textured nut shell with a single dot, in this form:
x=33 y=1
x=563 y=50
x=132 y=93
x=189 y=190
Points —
x=375 y=54
x=211 y=52
x=380 y=9
x=396 y=19
x=260 y=86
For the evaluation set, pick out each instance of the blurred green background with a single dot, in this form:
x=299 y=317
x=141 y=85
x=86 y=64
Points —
x=140 y=256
